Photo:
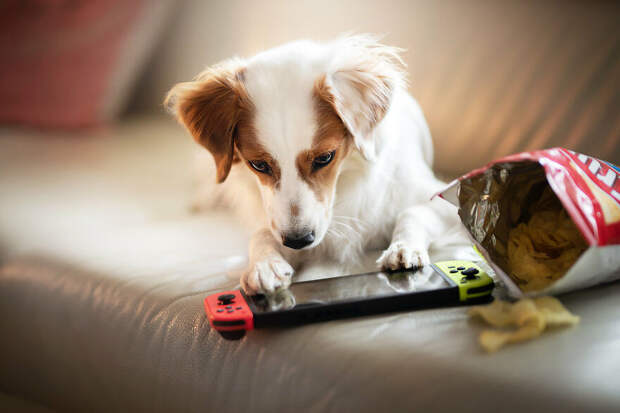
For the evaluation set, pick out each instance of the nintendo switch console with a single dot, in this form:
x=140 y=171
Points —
x=445 y=283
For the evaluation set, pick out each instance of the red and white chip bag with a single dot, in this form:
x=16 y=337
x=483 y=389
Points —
x=547 y=221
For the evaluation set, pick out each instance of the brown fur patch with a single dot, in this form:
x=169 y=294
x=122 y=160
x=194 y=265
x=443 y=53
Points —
x=331 y=136
x=294 y=210
x=249 y=149
x=212 y=107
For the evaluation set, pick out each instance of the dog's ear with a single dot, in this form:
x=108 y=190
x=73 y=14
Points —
x=362 y=79
x=210 y=107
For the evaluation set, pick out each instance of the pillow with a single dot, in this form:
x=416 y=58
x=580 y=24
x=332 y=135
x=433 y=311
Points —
x=71 y=64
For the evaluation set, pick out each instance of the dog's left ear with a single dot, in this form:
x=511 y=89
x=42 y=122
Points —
x=361 y=81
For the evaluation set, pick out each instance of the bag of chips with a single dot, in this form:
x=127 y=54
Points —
x=547 y=221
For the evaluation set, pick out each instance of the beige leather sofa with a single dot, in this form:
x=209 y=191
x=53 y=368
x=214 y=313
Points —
x=102 y=275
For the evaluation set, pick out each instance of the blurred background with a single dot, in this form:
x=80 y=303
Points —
x=492 y=77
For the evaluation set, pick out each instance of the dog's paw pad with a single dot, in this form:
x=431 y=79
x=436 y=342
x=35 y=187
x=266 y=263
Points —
x=400 y=256
x=267 y=275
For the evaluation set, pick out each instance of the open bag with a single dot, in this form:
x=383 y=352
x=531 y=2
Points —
x=547 y=221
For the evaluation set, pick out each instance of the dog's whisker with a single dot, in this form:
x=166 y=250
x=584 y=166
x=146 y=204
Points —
x=344 y=234
x=335 y=233
x=351 y=234
x=352 y=221
x=357 y=220
x=349 y=227
x=347 y=217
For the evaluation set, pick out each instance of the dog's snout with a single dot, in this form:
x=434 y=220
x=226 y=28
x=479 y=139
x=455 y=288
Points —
x=298 y=240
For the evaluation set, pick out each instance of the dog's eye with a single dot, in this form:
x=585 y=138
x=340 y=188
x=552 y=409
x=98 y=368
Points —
x=322 y=160
x=261 y=166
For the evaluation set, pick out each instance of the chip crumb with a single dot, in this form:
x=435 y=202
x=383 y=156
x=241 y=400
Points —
x=520 y=321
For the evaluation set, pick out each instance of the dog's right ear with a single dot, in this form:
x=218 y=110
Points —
x=210 y=107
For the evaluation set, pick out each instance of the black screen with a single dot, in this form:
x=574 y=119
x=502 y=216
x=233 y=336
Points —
x=348 y=288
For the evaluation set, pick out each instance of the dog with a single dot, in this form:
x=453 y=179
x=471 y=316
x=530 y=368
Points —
x=323 y=150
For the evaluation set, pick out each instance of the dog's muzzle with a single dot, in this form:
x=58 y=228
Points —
x=297 y=241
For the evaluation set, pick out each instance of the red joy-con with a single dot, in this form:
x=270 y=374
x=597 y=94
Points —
x=228 y=311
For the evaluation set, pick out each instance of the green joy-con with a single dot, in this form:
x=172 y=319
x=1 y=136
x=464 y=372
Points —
x=473 y=281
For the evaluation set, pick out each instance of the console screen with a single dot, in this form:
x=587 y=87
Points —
x=353 y=287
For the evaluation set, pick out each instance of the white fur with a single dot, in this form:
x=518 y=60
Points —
x=382 y=196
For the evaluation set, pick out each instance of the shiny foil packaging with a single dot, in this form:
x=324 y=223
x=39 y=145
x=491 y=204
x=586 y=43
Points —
x=510 y=208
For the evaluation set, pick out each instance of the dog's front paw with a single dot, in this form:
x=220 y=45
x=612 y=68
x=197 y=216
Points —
x=266 y=275
x=399 y=256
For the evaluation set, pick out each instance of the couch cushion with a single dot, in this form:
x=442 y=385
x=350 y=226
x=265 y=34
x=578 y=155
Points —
x=102 y=276
x=75 y=62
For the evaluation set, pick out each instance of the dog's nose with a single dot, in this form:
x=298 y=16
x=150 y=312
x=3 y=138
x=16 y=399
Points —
x=297 y=240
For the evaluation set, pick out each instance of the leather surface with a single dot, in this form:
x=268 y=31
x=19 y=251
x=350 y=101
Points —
x=102 y=276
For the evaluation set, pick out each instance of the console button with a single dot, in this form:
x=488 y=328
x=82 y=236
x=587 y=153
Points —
x=219 y=310
x=239 y=308
x=228 y=307
x=226 y=298
x=230 y=311
x=453 y=271
x=470 y=273
x=460 y=268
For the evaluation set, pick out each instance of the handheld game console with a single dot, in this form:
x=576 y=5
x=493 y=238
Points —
x=446 y=283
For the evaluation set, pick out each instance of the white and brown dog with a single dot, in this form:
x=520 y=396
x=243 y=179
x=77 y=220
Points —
x=328 y=139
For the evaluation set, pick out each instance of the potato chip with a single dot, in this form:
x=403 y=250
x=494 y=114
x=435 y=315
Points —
x=525 y=313
x=543 y=249
x=530 y=317
x=554 y=312
x=498 y=313
x=493 y=340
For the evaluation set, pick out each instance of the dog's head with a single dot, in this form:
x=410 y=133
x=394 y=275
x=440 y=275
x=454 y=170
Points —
x=292 y=115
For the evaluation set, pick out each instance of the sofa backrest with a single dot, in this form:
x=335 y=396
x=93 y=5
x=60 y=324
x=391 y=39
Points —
x=493 y=78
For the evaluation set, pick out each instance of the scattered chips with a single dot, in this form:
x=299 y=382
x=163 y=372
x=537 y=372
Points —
x=521 y=321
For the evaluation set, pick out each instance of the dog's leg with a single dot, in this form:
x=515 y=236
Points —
x=268 y=270
x=414 y=230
